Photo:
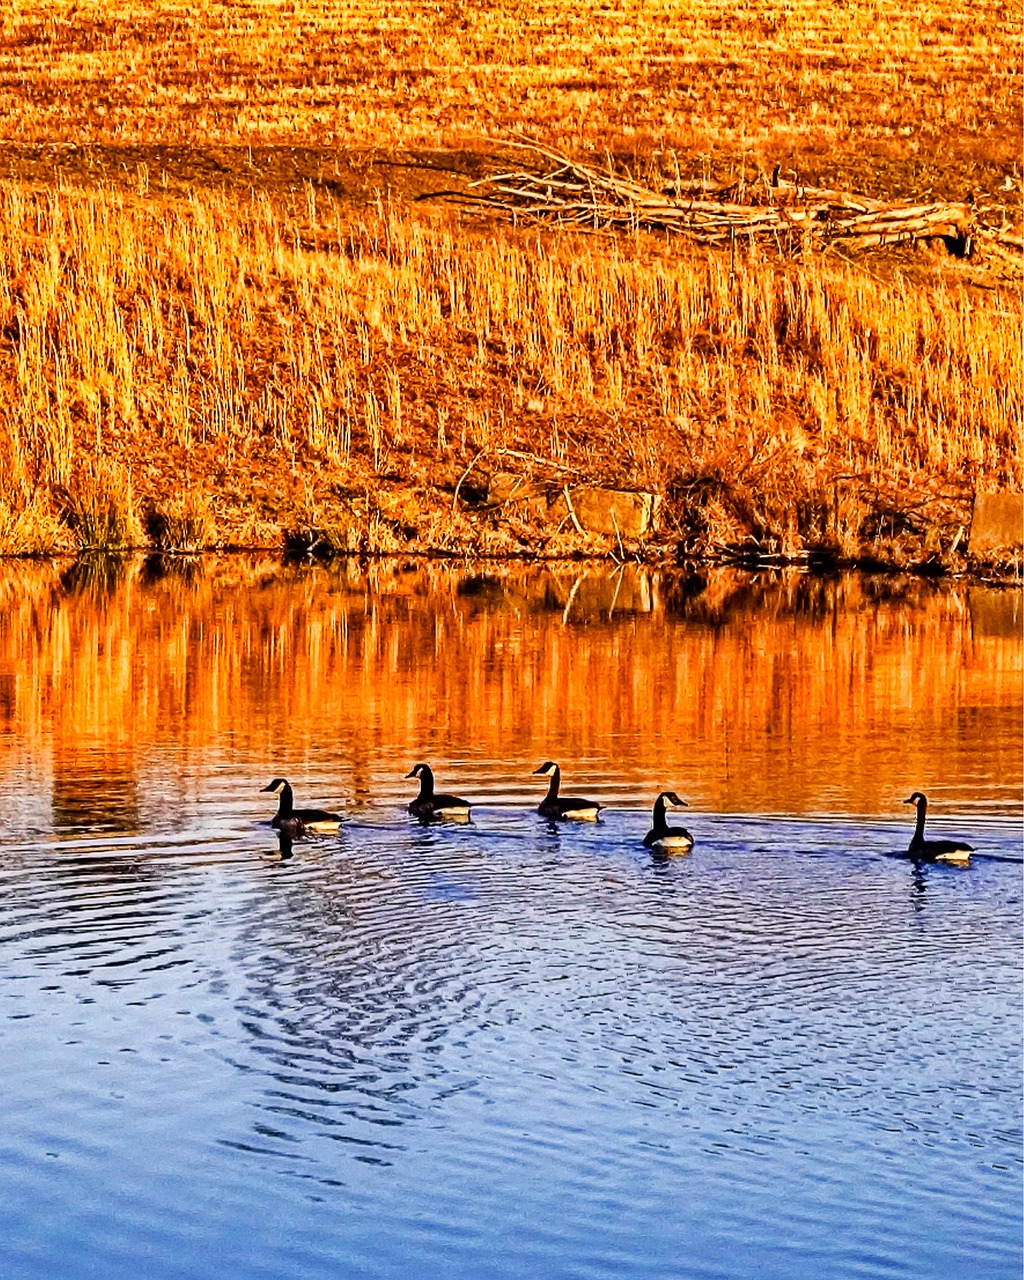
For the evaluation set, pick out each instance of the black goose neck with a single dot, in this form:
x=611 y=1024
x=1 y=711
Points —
x=286 y=802
x=426 y=783
x=553 y=785
x=922 y=806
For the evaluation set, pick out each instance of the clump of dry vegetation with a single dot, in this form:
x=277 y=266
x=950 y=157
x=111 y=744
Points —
x=100 y=507
x=29 y=526
x=221 y=316
x=183 y=522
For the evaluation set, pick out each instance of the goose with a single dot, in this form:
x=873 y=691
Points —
x=428 y=804
x=671 y=841
x=569 y=808
x=308 y=819
x=953 y=851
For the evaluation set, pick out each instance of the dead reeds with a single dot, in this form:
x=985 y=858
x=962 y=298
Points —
x=289 y=362
x=183 y=523
x=100 y=508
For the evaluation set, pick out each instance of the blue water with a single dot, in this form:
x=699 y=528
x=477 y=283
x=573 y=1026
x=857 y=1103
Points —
x=507 y=1051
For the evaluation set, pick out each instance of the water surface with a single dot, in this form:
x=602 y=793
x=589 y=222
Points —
x=506 y=1049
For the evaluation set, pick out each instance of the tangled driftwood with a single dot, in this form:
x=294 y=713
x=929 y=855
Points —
x=550 y=187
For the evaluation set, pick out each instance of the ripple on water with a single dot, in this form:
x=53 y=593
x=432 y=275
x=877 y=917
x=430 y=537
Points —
x=754 y=1058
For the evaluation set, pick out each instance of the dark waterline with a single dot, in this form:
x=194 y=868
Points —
x=506 y=1049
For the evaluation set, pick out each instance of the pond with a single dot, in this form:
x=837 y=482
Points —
x=506 y=1048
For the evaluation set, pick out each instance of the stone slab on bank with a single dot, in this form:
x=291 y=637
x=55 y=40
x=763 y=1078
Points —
x=997 y=523
x=624 y=513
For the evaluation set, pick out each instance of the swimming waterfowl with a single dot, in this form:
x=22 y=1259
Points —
x=429 y=804
x=954 y=851
x=568 y=808
x=308 y=819
x=662 y=838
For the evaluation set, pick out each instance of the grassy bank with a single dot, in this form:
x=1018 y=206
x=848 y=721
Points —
x=220 y=370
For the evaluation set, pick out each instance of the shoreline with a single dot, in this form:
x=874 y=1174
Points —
x=1003 y=575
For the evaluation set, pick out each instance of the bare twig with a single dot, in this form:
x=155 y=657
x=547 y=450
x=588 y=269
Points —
x=572 y=514
x=618 y=535
x=455 y=495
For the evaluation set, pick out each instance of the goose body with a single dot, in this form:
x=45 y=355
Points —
x=296 y=822
x=431 y=804
x=564 y=808
x=955 y=852
x=663 y=839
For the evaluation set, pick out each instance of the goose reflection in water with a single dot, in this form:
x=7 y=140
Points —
x=286 y=837
x=102 y=869
x=918 y=883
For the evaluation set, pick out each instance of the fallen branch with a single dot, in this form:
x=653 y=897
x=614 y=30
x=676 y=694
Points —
x=552 y=188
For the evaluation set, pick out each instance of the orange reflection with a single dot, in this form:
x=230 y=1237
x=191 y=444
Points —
x=130 y=689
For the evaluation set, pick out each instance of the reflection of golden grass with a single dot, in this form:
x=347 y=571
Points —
x=800 y=694
x=708 y=74
x=277 y=361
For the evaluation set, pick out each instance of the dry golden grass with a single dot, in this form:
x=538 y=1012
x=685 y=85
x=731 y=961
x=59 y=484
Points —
x=303 y=367
x=332 y=367
x=899 y=77
x=100 y=507
x=183 y=522
x=30 y=526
